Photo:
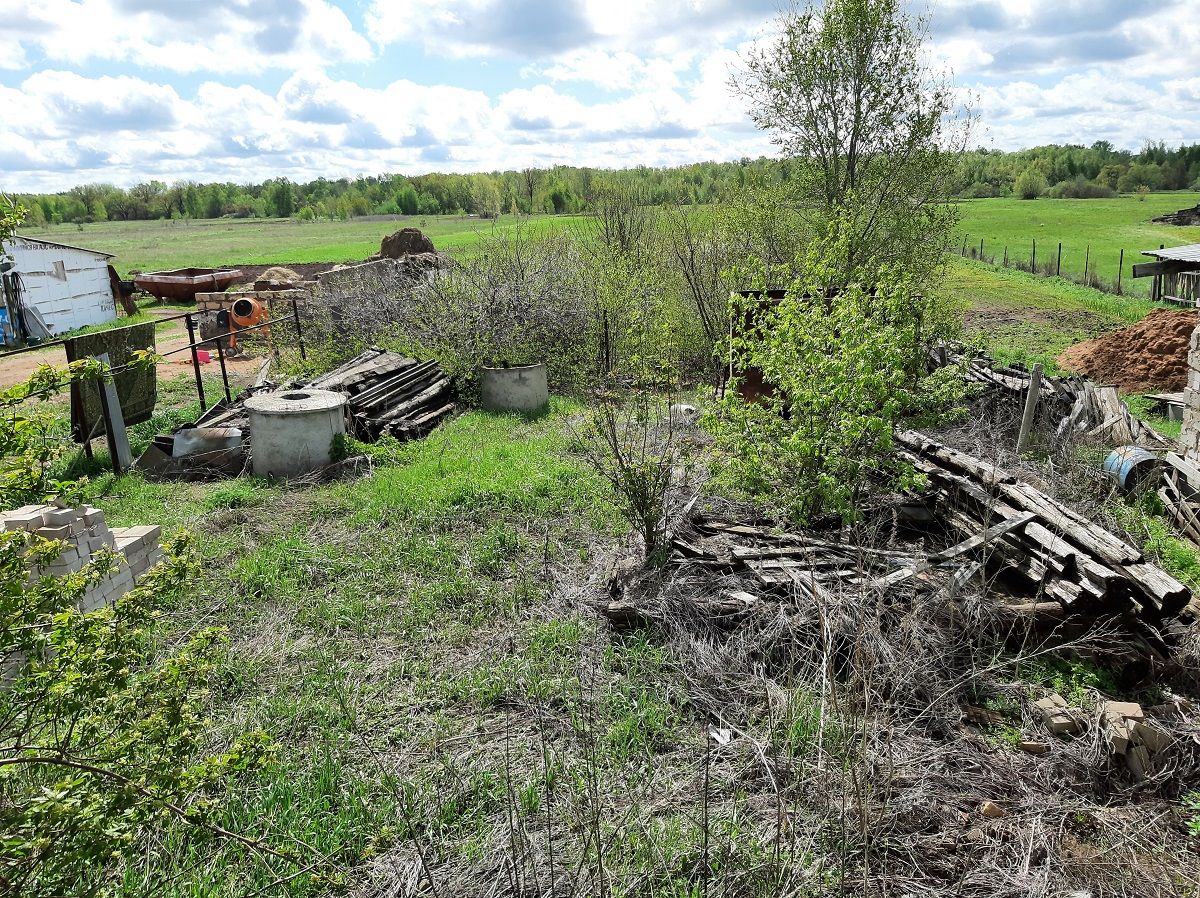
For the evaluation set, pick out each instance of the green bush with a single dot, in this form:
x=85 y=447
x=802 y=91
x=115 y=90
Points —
x=847 y=365
x=1030 y=184
x=1080 y=188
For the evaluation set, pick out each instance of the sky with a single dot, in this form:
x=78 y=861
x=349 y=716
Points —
x=122 y=91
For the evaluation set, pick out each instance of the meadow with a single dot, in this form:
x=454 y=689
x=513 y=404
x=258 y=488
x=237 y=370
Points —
x=1095 y=231
x=209 y=243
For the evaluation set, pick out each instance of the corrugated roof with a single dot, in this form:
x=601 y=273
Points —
x=1189 y=253
x=82 y=249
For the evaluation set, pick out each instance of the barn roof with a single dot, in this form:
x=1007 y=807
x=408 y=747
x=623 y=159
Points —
x=1188 y=253
x=81 y=249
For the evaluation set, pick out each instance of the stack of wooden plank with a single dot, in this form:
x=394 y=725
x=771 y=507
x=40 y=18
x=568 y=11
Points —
x=1099 y=413
x=390 y=393
x=774 y=558
x=1081 y=565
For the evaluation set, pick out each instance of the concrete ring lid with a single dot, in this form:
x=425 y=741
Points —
x=295 y=402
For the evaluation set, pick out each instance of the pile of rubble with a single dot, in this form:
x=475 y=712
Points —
x=84 y=532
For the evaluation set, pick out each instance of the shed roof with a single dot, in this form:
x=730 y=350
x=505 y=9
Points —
x=82 y=249
x=1188 y=253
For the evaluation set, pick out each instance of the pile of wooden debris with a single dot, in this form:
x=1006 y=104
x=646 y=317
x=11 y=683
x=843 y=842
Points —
x=1081 y=407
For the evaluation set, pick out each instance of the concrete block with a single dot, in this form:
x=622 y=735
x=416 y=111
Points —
x=1152 y=736
x=54 y=532
x=58 y=517
x=1060 y=717
x=1118 y=720
x=61 y=568
x=1139 y=762
x=92 y=516
x=29 y=518
x=146 y=534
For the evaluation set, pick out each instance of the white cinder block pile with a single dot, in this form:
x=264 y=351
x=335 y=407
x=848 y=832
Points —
x=84 y=532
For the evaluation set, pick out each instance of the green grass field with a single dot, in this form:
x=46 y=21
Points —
x=159 y=245
x=1106 y=226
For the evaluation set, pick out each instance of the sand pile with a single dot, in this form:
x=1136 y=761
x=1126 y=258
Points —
x=1150 y=355
x=280 y=274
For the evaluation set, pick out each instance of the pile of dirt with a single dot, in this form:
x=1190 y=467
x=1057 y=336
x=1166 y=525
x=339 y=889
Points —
x=304 y=271
x=405 y=242
x=1150 y=355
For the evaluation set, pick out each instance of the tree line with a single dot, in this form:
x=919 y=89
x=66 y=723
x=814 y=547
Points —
x=557 y=190
x=1078 y=172
x=1063 y=171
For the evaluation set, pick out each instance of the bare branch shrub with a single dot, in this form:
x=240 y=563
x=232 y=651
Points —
x=636 y=445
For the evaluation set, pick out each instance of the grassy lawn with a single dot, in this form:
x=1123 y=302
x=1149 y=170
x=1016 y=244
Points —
x=1107 y=226
x=158 y=245
x=410 y=643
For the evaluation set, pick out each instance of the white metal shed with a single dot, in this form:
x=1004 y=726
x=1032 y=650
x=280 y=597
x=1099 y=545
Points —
x=61 y=287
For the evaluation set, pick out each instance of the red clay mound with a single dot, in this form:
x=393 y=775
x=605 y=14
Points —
x=1150 y=355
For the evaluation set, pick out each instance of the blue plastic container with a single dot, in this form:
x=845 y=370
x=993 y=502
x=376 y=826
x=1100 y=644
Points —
x=1129 y=466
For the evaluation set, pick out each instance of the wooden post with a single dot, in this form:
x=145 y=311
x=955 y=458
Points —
x=1005 y=256
x=1033 y=264
x=1120 y=265
x=981 y=249
x=1031 y=401
x=1087 y=257
x=1058 y=267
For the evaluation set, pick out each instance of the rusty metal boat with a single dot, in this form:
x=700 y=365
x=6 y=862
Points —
x=182 y=284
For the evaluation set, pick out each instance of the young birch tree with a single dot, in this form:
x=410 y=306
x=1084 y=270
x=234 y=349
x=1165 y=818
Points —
x=874 y=130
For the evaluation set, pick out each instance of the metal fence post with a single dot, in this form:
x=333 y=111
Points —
x=299 y=332
x=191 y=329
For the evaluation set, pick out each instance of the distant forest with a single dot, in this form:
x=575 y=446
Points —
x=1061 y=171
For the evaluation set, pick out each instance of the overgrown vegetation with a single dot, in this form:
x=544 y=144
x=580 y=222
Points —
x=102 y=732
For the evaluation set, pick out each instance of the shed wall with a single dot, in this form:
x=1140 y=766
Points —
x=66 y=288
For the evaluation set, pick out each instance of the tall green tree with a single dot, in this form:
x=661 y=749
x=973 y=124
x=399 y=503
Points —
x=846 y=93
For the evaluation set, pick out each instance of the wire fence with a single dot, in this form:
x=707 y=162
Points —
x=1071 y=261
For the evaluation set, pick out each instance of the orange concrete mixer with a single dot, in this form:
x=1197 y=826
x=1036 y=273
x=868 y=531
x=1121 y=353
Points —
x=248 y=313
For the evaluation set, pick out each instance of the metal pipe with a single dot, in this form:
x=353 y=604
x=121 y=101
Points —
x=224 y=373
x=299 y=332
x=191 y=329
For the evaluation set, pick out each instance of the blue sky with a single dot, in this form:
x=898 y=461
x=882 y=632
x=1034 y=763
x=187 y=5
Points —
x=126 y=90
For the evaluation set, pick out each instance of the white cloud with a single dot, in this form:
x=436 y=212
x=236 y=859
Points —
x=244 y=36
x=536 y=29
